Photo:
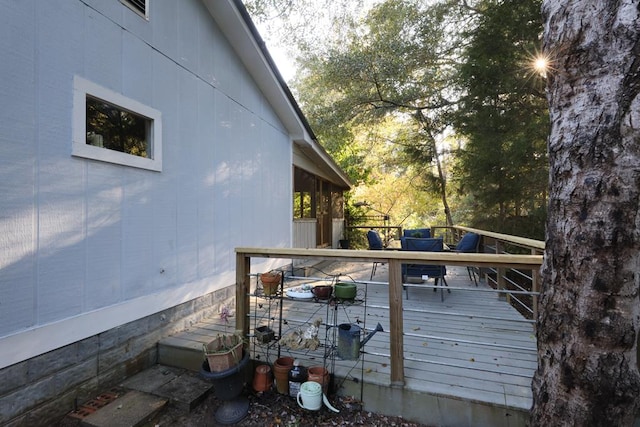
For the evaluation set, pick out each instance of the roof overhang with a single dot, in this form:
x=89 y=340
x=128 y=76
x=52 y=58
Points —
x=234 y=21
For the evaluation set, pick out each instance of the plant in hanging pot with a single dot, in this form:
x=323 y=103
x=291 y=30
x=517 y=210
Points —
x=270 y=281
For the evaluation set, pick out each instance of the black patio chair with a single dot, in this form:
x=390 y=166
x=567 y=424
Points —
x=375 y=244
x=437 y=272
x=469 y=243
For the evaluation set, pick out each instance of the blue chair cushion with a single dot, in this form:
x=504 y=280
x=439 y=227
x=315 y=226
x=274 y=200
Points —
x=375 y=242
x=425 y=245
x=425 y=233
x=468 y=243
x=421 y=244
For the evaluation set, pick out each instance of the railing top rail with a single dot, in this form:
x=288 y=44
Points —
x=520 y=241
x=417 y=257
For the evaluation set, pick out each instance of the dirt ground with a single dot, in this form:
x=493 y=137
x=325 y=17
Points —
x=270 y=409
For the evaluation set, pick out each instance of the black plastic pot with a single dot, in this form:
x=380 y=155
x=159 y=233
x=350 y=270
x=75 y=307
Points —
x=229 y=383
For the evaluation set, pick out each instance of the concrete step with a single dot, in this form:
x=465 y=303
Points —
x=182 y=388
x=185 y=349
x=311 y=268
x=133 y=409
x=140 y=398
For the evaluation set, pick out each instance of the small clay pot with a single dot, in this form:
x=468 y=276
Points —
x=281 y=368
x=270 y=282
x=319 y=374
x=322 y=291
x=262 y=380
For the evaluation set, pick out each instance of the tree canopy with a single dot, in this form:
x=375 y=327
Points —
x=503 y=117
x=442 y=95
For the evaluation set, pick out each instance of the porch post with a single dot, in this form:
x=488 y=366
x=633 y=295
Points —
x=396 y=342
x=243 y=287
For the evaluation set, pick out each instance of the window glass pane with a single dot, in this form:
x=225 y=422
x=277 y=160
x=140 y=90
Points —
x=302 y=205
x=114 y=128
x=337 y=203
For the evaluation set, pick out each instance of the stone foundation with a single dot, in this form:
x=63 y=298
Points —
x=41 y=390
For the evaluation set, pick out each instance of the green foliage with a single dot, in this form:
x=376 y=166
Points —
x=504 y=118
x=382 y=91
x=119 y=129
x=415 y=98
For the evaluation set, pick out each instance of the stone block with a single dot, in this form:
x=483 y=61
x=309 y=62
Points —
x=152 y=379
x=23 y=399
x=186 y=391
x=53 y=361
x=88 y=347
x=13 y=377
x=76 y=374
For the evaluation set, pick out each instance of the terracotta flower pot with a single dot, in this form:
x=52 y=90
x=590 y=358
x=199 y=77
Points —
x=319 y=374
x=281 y=368
x=270 y=282
x=223 y=352
x=262 y=380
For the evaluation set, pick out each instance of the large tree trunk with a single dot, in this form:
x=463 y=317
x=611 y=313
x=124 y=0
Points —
x=589 y=313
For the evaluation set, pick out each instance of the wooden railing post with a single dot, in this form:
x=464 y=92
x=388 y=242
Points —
x=500 y=275
x=396 y=338
x=243 y=288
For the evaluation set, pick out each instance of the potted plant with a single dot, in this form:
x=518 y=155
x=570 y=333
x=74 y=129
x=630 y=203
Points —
x=225 y=366
x=225 y=351
x=270 y=281
x=264 y=334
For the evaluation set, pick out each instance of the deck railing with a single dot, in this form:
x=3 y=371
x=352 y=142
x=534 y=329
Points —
x=499 y=262
x=522 y=284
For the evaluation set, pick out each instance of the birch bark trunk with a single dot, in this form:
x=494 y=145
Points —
x=589 y=312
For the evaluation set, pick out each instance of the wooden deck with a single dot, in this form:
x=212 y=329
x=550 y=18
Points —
x=471 y=347
x=468 y=360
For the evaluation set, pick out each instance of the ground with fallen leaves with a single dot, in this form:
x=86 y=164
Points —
x=270 y=409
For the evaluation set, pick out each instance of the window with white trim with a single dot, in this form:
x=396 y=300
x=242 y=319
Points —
x=109 y=127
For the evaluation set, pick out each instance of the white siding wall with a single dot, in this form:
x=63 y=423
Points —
x=85 y=245
x=304 y=233
x=337 y=232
